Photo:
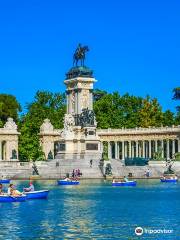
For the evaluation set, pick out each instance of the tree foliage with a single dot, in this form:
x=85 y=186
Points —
x=45 y=105
x=9 y=107
x=115 y=111
x=176 y=96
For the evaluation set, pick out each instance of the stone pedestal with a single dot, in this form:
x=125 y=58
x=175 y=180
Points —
x=79 y=133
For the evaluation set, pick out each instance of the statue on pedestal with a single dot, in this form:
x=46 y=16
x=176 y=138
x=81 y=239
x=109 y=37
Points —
x=80 y=55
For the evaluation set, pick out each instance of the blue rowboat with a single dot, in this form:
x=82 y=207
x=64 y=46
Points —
x=168 y=180
x=5 y=181
x=129 y=183
x=64 y=182
x=37 y=194
x=7 y=198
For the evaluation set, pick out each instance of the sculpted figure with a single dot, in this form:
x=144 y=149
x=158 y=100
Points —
x=68 y=122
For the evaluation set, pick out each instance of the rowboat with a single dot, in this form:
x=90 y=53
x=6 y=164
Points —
x=3 y=181
x=173 y=180
x=37 y=194
x=7 y=198
x=69 y=182
x=128 y=183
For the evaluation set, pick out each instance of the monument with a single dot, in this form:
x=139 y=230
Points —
x=80 y=139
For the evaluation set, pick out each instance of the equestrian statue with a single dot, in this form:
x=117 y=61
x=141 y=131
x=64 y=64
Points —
x=80 y=55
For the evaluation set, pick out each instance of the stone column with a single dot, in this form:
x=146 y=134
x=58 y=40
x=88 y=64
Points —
x=178 y=145
x=156 y=146
x=173 y=147
x=143 y=148
x=109 y=150
x=137 y=149
x=115 y=150
x=125 y=148
x=132 y=154
x=102 y=147
x=150 y=149
x=0 y=150
x=122 y=150
x=129 y=143
x=167 y=148
x=162 y=148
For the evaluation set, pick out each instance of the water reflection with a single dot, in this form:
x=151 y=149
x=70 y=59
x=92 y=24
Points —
x=92 y=210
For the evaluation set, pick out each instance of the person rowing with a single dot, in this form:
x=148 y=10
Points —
x=30 y=188
x=126 y=179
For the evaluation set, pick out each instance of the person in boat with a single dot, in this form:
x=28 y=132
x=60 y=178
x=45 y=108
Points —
x=12 y=191
x=114 y=180
x=30 y=188
x=125 y=179
x=66 y=179
x=1 y=189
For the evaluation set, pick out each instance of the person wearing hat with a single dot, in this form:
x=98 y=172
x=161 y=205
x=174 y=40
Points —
x=30 y=188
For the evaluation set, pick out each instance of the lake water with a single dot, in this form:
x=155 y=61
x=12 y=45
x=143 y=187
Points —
x=94 y=210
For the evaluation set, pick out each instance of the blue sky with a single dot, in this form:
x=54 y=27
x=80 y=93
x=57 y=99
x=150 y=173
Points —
x=134 y=45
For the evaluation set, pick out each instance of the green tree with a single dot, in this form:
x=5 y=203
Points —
x=45 y=105
x=168 y=118
x=176 y=96
x=151 y=113
x=98 y=94
x=9 y=107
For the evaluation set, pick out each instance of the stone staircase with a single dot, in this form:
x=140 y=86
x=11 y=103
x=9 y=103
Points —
x=58 y=168
x=13 y=169
x=156 y=169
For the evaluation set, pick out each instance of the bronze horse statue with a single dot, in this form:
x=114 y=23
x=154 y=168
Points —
x=80 y=55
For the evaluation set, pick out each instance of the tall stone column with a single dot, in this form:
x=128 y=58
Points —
x=156 y=145
x=178 y=145
x=0 y=150
x=162 y=148
x=143 y=146
x=167 y=148
x=129 y=143
x=125 y=147
x=115 y=150
x=150 y=149
x=122 y=150
x=109 y=150
x=137 y=149
x=102 y=147
x=173 y=147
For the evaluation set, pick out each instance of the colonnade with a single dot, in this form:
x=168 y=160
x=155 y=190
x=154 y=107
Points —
x=143 y=148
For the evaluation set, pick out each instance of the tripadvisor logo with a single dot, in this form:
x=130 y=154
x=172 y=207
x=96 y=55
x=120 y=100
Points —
x=138 y=231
